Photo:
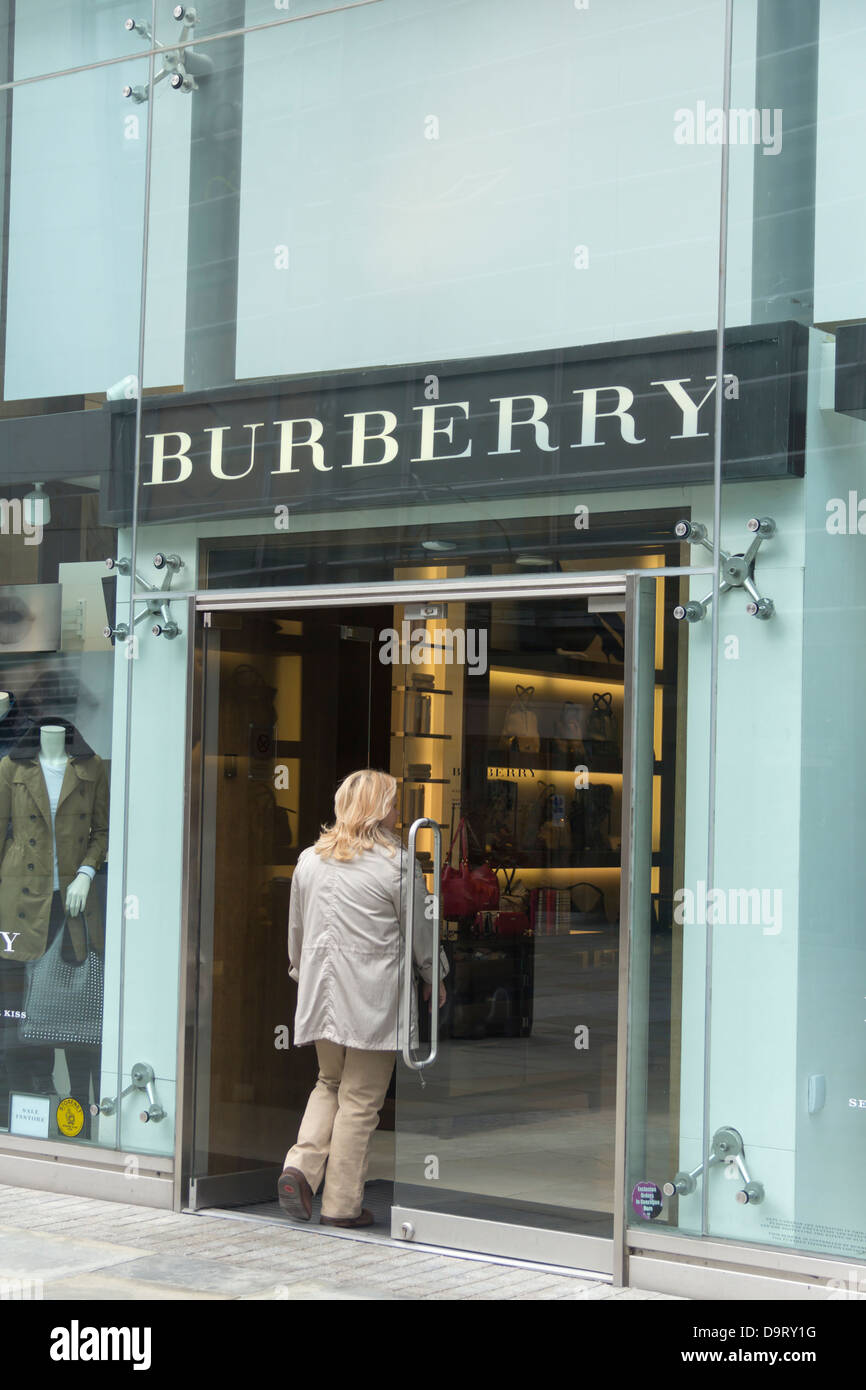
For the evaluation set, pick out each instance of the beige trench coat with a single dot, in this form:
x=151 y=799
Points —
x=346 y=929
x=27 y=859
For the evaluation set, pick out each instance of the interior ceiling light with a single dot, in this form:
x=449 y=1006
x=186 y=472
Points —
x=439 y=545
x=37 y=507
x=534 y=560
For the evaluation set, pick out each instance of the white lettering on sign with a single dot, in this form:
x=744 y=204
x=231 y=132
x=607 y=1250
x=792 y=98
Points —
x=429 y=429
x=591 y=414
x=521 y=421
x=507 y=425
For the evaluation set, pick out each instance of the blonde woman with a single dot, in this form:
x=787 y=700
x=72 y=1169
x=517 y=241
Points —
x=346 y=929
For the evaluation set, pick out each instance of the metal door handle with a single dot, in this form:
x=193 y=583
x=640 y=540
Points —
x=409 y=977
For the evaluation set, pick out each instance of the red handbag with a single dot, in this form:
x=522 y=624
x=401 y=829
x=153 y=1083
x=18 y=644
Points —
x=502 y=923
x=466 y=891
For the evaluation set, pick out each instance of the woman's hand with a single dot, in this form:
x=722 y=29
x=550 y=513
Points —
x=428 y=990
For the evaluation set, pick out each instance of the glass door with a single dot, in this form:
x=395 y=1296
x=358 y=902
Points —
x=509 y=722
x=293 y=701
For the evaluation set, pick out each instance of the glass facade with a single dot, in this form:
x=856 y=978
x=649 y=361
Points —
x=544 y=330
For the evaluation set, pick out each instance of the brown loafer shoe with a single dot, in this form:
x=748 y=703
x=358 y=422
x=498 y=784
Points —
x=295 y=1194
x=365 y=1219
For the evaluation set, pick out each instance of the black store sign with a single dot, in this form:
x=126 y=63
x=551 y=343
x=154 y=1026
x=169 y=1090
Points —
x=577 y=420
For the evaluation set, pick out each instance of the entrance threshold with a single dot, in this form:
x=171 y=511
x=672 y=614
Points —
x=379 y=1202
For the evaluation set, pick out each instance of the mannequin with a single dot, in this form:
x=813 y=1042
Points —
x=54 y=799
x=53 y=760
x=53 y=840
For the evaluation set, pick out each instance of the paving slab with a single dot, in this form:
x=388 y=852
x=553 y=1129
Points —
x=311 y=1290
x=45 y=1256
x=100 y=1287
x=189 y=1273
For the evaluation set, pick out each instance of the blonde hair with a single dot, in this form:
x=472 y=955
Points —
x=362 y=802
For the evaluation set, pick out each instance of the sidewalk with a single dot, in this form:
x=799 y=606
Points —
x=75 y=1248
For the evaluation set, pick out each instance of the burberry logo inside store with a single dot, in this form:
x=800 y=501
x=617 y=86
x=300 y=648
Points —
x=441 y=431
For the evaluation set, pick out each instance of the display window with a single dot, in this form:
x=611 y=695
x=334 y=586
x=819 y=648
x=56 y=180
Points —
x=57 y=675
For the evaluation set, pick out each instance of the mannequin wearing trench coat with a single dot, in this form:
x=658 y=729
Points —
x=27 y=860
x=31 y=910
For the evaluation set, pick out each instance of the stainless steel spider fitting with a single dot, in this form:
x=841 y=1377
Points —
x=727 y=1147
x=157 y=607
x=736 y=571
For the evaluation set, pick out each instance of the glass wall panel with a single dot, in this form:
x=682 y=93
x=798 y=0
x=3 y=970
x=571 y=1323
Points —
x=72 y=203
x=75 y=199
x=758 y=1086
x=778 y=901
x=173 y=21
x=800 y=1039
x=55 y=35
x=329 y=197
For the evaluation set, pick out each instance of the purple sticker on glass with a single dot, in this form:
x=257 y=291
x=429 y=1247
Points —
x=646 y=1200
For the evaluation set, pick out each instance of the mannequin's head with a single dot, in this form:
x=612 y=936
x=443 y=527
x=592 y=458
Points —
x=29 y=744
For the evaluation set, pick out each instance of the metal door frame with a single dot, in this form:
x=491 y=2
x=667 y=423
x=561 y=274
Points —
x=599 y=1257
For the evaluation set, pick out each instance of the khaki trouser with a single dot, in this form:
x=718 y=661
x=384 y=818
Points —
x=339 y=1120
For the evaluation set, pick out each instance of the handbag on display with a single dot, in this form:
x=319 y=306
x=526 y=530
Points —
x=601 y=732
x=502 y=816
x=570 y=732
x=513 y=896
x=532 y=815
x=550 y=911
x=558 y=911
x=466 y=891
x=555 y=831
x=587 y=905
x=282 y=834
x=270 y=830
x=501 y=924
x=596 y=815
x=63 y=1004
x=520 y=729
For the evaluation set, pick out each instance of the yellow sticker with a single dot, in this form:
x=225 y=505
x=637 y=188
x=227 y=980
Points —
x=70 y=1117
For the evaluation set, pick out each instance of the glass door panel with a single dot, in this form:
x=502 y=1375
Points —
x=506 y=1142
x=294 y=701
